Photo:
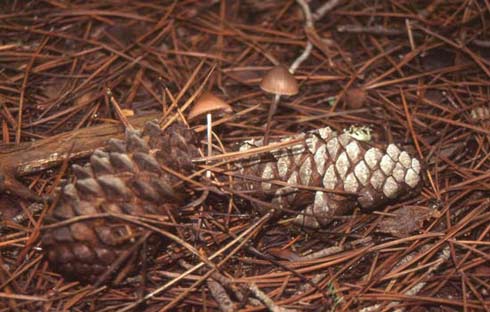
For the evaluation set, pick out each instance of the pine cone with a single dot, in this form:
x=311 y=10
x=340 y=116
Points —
x=367 y=175
x=125 y=178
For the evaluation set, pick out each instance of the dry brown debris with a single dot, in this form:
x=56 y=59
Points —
x=424 y=65
x=406 y=220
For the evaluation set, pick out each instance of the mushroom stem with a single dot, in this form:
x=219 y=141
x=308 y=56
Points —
x=209 y=134
x=272 y=111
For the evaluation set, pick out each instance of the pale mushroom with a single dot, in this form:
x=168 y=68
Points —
x=209 y=104
x=278 y=81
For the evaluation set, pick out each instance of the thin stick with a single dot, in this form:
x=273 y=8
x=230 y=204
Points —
x=266 y=299
x=118 y=110
x=301 y=58
x=325 y=8
x=308 y=25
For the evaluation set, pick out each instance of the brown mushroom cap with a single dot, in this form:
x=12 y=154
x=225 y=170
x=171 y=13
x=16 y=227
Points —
x=279 y=81
x=208 y=103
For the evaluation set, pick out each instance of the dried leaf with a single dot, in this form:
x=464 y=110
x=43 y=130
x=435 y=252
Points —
x=405 y=220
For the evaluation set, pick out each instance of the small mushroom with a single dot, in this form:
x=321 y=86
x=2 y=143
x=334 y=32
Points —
x=278 y=81
x=209 y=104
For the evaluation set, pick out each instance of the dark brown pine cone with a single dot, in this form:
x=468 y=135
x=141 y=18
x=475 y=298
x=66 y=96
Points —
x=126 y=177
x=336 y=163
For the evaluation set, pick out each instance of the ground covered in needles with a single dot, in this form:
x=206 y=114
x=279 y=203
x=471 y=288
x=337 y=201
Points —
x=413 y=73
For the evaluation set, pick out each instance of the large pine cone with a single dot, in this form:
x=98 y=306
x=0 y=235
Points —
x=349 y=172
x=126 y=177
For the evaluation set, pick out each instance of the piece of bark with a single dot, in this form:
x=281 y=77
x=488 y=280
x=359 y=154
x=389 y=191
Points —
x=31 y=157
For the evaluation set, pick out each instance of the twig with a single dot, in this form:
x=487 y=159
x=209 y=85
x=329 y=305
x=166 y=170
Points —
x=306 y=53
x=220 y=295
x=336 y=249
x=374 y=30
x=308 y=25
x=267 y=300
x=325 y=8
